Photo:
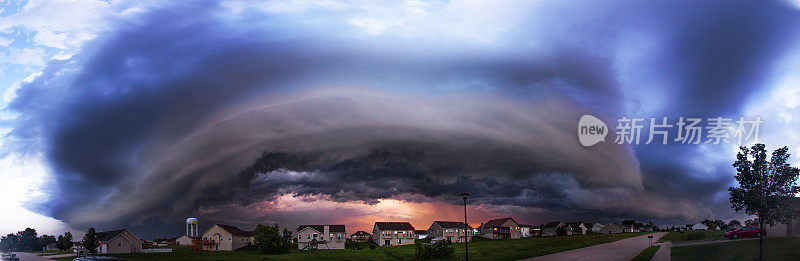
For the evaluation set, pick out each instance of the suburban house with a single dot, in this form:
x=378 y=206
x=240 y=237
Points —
x=503 y=228
x=596 y=227
x=321 y=237
x=629 y=228
x=611 y=228
x=225 y=238
x=551 y=228
x=699 y=226
x=118 y=242
x=185 y=240
x=577 y=228
x=450 y=230
x=360 y=236
x=525 y=230
x=791 y=229
x=421 y=234
x=393 y=233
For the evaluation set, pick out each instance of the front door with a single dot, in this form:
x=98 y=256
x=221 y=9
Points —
x=387 y=243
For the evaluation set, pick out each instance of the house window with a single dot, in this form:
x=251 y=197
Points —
x=315 y=235
x=399 y=241
x=119 y=244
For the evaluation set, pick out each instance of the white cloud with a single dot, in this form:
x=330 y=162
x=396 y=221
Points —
x=60 y=24
x=5 y=41
x=23 y=56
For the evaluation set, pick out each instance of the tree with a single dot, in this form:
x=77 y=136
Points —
x=64 y=242
x=90 y=242
x=734 y=223
x=9 y=243
x=45 y=240
x=269 y=240
x=764 y=186
x=28 y=240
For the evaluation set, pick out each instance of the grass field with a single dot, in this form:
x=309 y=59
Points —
x=695 y=235
x=512 y=249
x=646 y=254
x=774 y=249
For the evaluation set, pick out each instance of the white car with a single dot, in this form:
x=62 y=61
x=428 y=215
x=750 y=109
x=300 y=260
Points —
x=9 y=257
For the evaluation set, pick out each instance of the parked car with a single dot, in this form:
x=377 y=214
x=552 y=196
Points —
x=9 y=257
x=743 y=232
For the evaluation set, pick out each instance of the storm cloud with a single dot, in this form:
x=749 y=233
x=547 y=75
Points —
x=214 y=104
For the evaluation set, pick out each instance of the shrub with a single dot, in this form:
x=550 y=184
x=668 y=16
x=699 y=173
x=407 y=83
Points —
x=372 y=247
x=440 y=249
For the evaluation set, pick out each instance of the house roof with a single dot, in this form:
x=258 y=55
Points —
x=498 y=222
x=575 y=224
x=361 y=233
x=321 y=228
x=394 y=226
x=552 y=224
x=236 y=231
x=108 y=235
x=451 y=224
x=421 y=232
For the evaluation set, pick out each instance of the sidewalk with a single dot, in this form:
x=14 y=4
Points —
x=622 y=250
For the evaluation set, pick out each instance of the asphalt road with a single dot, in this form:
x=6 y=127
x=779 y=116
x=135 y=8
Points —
x=622 y=250
x=30 y=257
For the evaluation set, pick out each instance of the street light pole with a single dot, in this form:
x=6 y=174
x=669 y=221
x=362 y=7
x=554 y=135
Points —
x=466 y=237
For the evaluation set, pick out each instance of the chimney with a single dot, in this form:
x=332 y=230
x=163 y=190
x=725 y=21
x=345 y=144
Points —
x=326 y=233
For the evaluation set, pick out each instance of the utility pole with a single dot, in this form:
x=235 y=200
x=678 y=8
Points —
x=466 y=237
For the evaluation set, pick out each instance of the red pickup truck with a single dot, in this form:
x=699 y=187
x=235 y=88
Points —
x=744 y=232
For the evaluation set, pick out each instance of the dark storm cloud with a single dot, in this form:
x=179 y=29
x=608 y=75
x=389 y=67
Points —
x=189 y=105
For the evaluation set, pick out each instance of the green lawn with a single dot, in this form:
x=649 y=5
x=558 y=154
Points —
x=695 y=235
x=774 y=249
x=646 y=254
x=485 y=249
x=512 y=249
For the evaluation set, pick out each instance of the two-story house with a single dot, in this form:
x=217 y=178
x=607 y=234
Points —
x=225 y=238
x=502 y=228
x=450 y=230
x=321 y=237
x=360 y=236
x=393 y=233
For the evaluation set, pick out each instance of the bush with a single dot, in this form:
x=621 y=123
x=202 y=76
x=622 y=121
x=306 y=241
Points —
x=372 y=247
x=440 y=249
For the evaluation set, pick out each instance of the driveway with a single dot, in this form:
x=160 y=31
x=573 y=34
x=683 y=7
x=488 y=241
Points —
x=623 y=250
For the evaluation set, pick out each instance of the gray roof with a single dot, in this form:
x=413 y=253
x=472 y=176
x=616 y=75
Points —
x=394 y=226
x=321 y=228
x=108 y=235
x=451 y=224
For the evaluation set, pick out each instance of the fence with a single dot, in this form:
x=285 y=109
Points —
x=157 y=250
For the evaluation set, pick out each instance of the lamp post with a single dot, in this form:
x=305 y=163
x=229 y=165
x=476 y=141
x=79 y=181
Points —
x=466 y=238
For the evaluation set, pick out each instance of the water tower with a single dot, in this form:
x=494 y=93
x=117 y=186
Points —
x=191 y=227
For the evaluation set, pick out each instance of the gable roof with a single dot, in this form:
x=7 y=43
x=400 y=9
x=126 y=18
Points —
x=575 y=224
x=421 y=232
x=451 y=224
x=108 y=235
x=394 y=226
x=235 y=230
x=553 y=224
x=498 y=222
x=321 y=228
x=361 y=233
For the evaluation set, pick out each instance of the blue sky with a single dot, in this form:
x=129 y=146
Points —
x=244 y=112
